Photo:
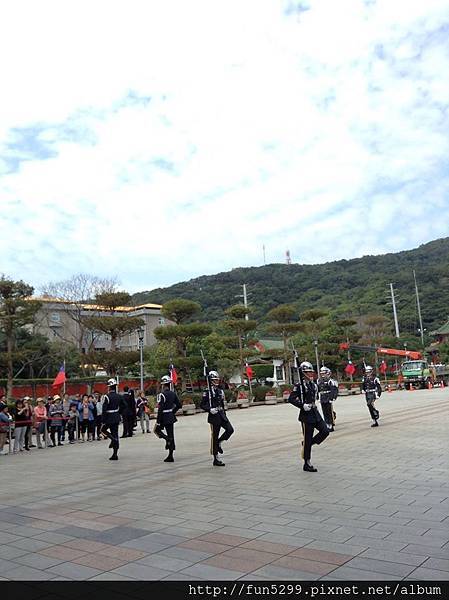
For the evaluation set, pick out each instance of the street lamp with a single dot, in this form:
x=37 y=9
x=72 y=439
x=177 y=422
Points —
x=315 y=343
x=141 y=334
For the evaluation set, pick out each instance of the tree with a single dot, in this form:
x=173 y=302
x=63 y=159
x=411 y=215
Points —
x=180 y=310
x=240 y=326
x=115 y=326
x=182 y=334
x=284 y=317
x=16 y=310
x=75 y=293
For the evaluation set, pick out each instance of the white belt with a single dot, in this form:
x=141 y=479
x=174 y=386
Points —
x=111 y=411
x=168 y=410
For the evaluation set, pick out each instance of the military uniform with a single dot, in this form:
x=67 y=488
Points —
x=112 y=407
x=328 y=392
x=217 y=420
x=373 y=390
x=304 y=396
x=168 y=406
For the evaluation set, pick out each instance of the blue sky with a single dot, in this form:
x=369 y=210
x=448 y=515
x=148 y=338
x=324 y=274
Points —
x=159 y=140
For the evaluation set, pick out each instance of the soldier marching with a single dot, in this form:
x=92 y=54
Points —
x=328 y=392
x=372 y=388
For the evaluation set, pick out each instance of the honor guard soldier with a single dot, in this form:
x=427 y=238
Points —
x=304 y=396
x=373 y=390
x=328 y=391
x=168 y=406
x=213 y=403
x=112 y=407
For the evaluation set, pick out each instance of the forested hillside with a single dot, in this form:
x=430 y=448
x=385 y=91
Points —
x=346 y=287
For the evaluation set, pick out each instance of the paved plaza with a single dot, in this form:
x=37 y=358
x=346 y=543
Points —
x=378 y=508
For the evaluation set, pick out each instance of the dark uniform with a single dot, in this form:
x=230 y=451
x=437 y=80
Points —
x=373 y=390
x=217 y=419
x=168 y=406
x=112 y=407
x=128 y=412
x=305 y=394
x=328 y=392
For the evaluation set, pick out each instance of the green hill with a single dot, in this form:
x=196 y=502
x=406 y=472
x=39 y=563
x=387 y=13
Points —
x=346 y=287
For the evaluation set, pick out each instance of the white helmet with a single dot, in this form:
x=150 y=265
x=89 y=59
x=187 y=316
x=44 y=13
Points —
x=166 y=379
x=112 y=382
x=214 y=375
x=306 y=366
x=368 y=369
x=325 y=370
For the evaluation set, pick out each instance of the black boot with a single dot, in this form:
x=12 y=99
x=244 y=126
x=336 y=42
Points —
x=375 y=424
x=309 y=468
x=220 y=449
x=169 y=458
x=218 y=463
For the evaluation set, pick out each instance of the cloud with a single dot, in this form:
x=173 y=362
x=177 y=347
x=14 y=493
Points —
x=157 y=141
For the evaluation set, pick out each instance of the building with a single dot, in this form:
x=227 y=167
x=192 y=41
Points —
x=269 y=350
x=60 y=320
x=441 y=335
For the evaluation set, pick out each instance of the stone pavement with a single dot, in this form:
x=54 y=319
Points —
x=377 y=509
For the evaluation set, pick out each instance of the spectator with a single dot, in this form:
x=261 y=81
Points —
x=56 y=414
x=29 y=429
x=20 y=419
x=99 y=419
x=91 y=400
x=66 y=406
x=143 y=411
x=40 y=422
x=5 y=421
x=72 y=423
x=86 y=415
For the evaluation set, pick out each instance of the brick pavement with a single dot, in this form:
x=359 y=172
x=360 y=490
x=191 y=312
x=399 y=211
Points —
x=377 y=509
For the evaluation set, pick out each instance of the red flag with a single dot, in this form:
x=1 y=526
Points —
x=383 y=367
x=350 y=369
x=173 y=374
x=249 y=371
x=60 y=377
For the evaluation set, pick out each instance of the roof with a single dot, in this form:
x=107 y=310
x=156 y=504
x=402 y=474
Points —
x=97 y=307
x=443 y=330
x=269 y=344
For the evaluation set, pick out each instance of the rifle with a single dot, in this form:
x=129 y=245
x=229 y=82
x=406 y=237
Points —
x=206 y=375
x=298 y=371
x=170 y=370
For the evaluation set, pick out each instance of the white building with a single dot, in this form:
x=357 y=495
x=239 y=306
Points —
x=60 y=320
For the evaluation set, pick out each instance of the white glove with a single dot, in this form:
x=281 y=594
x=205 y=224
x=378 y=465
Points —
x=213 y=411
x=307 y=407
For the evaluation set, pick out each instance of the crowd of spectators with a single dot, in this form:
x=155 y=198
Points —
x=51 y=421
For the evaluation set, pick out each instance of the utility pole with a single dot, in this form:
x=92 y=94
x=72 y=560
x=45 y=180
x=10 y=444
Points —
x=396 y=325
x=419 y=309
x=245 y=299
x=141 y=335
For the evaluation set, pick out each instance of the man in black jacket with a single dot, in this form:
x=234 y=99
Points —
x=112 y=406
x=304 y=396
x=372 y=388
x=128 y=412
x=214 y=405
x=168 y=406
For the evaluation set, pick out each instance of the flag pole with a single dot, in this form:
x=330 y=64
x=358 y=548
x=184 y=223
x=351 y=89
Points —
x=63 y=385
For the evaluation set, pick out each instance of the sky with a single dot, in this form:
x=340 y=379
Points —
x=159 y=140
